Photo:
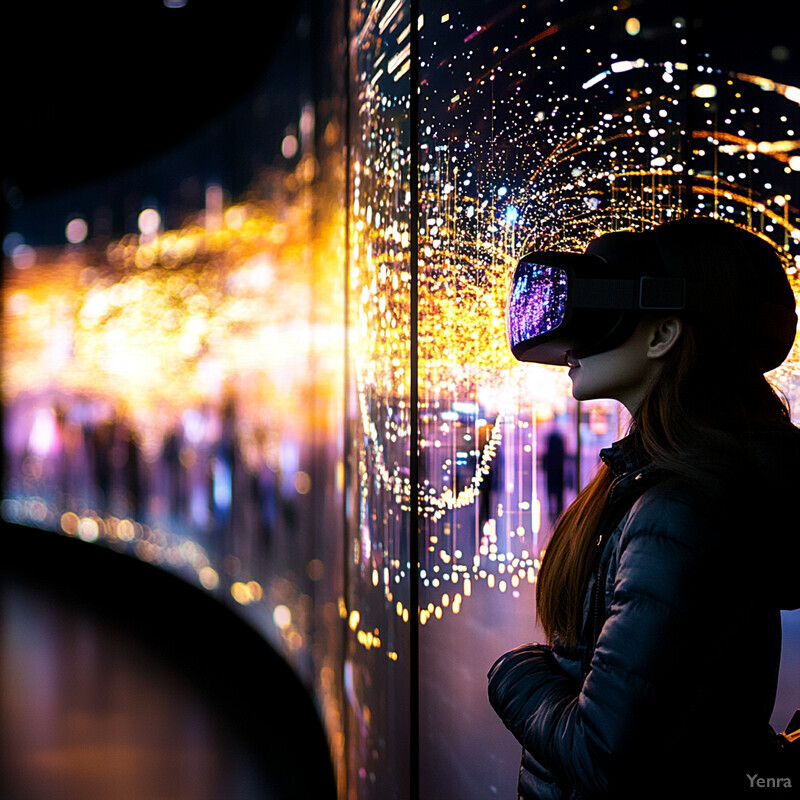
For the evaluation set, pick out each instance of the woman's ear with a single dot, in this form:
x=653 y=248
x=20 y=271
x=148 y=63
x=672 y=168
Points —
x=664 y=334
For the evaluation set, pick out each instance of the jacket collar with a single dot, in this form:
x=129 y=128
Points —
x=630 y=465
x=624 y=456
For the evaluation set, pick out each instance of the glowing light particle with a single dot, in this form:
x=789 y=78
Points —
x=282 y=616
x=149 y=222
x=256 y=592
x=289 y=146
x=23 y=256
x=705 y=90
x=302 y=482
x=596 y=79
x=70 y=523
x=89 y=530
x=126 y=531
x=76 y=231
x=209 y=579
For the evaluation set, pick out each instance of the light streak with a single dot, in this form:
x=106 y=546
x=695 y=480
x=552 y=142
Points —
x=393 y=10
x=399 y=58
x=791 y=93
x=778 y=150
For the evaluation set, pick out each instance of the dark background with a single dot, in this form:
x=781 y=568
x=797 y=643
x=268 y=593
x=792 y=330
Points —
x=94 y=87
x=79 y=76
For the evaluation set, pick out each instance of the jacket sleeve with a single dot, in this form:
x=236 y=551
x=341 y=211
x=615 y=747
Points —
x=640 y=676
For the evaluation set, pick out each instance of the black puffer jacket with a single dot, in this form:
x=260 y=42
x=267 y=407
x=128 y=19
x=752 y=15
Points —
x=670 y=691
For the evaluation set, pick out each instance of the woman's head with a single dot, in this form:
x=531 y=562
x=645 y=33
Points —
x=739 y=323
x=693 y=382
x=746 y=317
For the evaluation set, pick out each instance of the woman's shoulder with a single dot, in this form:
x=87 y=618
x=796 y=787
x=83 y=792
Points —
x=737 y=470
x=743 y=515
x=775 y=450
x=673 y=507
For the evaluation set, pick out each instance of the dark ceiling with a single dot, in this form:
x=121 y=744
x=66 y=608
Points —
x=92 y=87
x=95 y=86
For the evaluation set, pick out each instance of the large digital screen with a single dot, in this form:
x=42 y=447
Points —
x=295 y=390
x=173 y=356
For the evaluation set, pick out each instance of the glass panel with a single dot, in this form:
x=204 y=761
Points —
x=173 y=385
x=541 y=126
x=378 y=606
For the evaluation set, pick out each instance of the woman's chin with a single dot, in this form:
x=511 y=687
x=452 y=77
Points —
x=576 y=384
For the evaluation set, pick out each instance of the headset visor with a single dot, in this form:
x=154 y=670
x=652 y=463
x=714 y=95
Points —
x=537 y=303
x=562 y=301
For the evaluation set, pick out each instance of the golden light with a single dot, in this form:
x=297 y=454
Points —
x=209 y=578
x=705 y=90
x=632 y=26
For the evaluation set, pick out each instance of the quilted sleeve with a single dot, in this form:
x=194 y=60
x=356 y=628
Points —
x=637 y=693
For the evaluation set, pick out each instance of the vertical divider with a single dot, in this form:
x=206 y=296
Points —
x=413 y=538
x=343 y=779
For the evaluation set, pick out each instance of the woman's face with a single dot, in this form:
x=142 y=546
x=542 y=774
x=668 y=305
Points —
x=625 y=372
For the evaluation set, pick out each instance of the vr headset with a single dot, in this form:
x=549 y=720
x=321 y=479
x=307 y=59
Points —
x=580 y=302
x=591 y=302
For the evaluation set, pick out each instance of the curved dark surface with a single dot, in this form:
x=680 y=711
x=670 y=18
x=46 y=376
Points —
x=114 y=673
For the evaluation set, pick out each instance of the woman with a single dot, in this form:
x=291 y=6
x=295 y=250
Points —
x=660 y=590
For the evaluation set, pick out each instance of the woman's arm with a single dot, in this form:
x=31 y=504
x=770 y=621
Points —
x=643 y=669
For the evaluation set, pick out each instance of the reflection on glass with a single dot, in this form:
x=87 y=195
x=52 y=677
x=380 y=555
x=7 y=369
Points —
x=377 y=603
x=177 y=393
x=537 y=302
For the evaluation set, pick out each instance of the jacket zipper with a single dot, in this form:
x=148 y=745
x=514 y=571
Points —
x=597 y=592
x=595 y=611
x=599 y=588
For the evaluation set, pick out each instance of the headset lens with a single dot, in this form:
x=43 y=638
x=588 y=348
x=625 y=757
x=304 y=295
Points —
x=537 y=303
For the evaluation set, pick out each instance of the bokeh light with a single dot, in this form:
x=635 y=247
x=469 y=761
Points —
x=76 y=231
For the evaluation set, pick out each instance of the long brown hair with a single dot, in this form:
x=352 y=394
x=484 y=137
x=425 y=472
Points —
x=691 y=420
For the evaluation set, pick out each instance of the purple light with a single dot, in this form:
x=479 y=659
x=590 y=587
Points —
x=537 y=302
